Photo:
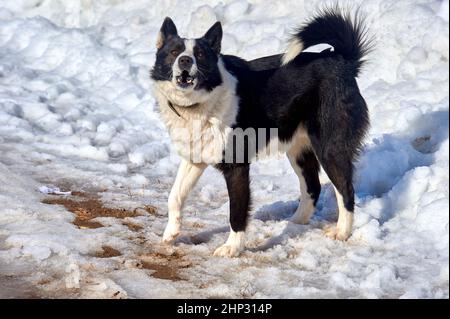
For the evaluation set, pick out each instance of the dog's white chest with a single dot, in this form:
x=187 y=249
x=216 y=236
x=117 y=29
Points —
x=200 y=133
x=199 y=141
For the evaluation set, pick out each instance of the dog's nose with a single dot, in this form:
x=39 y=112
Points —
x=185 y=63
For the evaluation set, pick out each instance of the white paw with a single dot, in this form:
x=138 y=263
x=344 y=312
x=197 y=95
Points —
x=334 y=232
x=228 y=251
x=171 y=233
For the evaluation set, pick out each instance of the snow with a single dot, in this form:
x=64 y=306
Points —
x=77 y=114
x=52 y=190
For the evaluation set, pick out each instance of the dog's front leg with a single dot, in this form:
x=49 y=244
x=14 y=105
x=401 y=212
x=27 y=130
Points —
x=187 y=176
x=238 y=184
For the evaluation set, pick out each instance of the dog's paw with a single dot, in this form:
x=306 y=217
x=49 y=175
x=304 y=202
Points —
x=335 y=233
x=227 y=251
x=170 y=234
x=169 y=239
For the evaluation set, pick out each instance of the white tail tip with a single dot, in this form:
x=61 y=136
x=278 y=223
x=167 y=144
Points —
x=294 y=48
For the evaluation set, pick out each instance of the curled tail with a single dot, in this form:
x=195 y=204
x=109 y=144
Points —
x=347 y=34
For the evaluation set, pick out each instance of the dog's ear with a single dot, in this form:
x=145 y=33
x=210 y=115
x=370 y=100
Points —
x=168 y=29
x=214 y=37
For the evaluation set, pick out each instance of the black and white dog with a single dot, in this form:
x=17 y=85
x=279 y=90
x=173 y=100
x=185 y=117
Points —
x=308 y=104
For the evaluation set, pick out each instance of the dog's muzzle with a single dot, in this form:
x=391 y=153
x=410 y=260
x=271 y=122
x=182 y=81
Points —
x=185 y=80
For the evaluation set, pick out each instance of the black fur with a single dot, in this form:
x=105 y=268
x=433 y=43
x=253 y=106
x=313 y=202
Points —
x=214 y=37
x=266 y=63
x=209 y=76
x=168 y=29
x=166 y=57
x=310 y=166
x=206 y=52
x=317 y=90
x=346 y=33
x=238 y=185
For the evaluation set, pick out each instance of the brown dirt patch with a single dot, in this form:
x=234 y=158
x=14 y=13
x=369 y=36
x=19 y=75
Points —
x=80 y=194
x=16 y=288
x=87 y=209
x=108 y=252
x=195 y=225
x=421 y=144
x=165 y=266
x=133 y=226
x=149 y=209
x=84 y=224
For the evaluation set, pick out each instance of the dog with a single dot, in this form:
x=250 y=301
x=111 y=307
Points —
x=308 y=104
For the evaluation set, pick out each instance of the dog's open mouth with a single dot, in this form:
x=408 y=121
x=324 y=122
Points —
x=185 y=80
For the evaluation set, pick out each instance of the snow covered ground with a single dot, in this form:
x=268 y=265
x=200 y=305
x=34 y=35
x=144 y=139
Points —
x=76 y=111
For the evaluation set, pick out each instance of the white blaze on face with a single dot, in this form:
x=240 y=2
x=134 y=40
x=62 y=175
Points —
x=189 y=44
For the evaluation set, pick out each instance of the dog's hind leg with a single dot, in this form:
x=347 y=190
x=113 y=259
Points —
x=339 y=168
x=307 y=169
x=342 y=121
x=238 y=185
x=187 y=176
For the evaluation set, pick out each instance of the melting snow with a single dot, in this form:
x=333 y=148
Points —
x=76 y=110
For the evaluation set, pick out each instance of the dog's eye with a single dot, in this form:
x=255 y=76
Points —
x=200 y=54
x=174 y=52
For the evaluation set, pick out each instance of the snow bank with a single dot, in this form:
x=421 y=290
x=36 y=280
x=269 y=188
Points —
x=76 y=110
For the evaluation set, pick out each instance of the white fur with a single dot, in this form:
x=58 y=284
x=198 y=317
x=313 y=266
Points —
x=294 y=48
x=187 y=176
x=306 y=208
x=214 y=115
x=344 y=226
x=189 y=44
x=201 y=133
x=299 y=143
x=233 y=247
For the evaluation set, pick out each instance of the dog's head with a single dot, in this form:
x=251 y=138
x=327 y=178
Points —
x=188 y=64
